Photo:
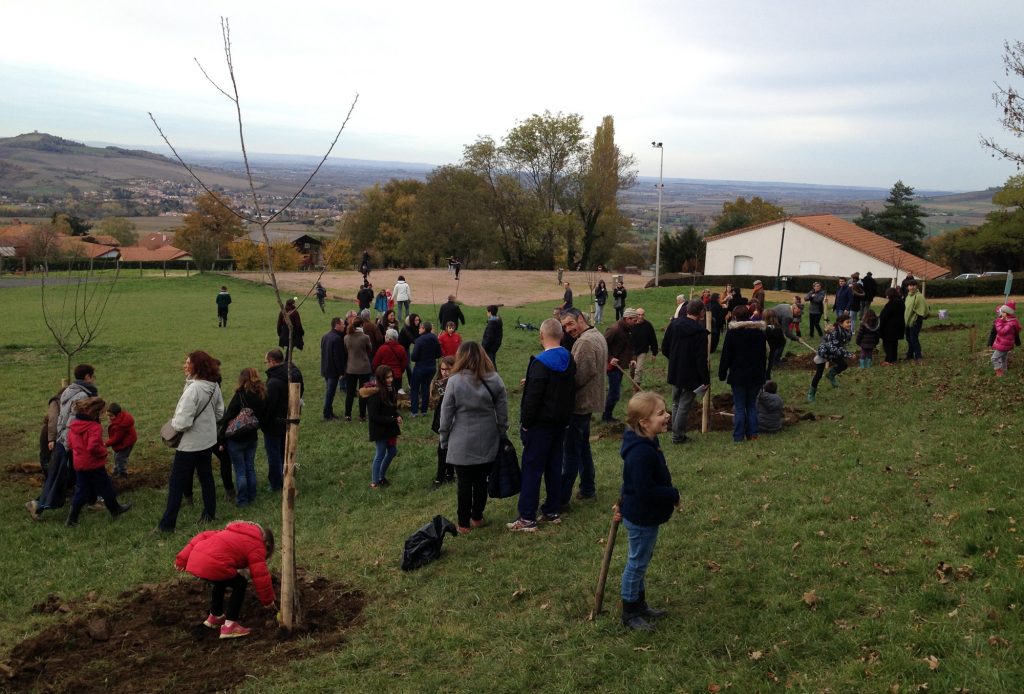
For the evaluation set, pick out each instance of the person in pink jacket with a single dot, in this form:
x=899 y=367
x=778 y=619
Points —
x=1007 y=334
x=216 y=556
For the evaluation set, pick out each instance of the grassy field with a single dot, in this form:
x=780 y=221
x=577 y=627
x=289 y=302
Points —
x=875 y=549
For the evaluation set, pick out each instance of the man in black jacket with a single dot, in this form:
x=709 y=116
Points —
x=549 y=394
x=450 y=313
x=333 y=359
x=686 y=347
x=493 y=331
x=365 y=296
x=274 y=418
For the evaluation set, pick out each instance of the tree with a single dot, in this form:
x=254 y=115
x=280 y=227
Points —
x=683 y=251
x=451 y=216
x=209 y=229
x=605 y=172
x=69 y=224
x=382 y=219
x=740 y=214
x=1009 y=100
x=998 y=244
x=900 y=221
x=75 y=322
x=546 y=149
x=120 y=228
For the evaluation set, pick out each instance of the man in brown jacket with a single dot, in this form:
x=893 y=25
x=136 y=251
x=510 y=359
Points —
x=590 y=353
x=620 y=356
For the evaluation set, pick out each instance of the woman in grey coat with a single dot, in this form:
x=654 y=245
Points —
x=474 y=416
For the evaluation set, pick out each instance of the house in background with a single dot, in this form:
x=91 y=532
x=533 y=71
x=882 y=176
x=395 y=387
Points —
x=311 y=247
x=812 y=245
x=163 y=254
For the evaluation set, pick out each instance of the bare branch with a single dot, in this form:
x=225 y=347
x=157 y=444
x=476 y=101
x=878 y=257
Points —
x=210 y=79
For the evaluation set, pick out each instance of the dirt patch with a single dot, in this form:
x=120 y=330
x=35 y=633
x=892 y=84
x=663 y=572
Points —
x=143 y=477
x=152 y=640
x=944 y=327
x=802 y=361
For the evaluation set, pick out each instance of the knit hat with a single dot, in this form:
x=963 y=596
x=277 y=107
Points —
x=1009 y=308
x=391 y=334
x=630 y=313
x=757 y=282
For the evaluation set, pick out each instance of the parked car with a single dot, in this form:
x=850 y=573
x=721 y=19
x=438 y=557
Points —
x=967 y=276
x=993 y=274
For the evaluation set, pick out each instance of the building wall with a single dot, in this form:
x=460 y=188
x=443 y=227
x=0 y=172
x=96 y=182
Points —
x=801 y=244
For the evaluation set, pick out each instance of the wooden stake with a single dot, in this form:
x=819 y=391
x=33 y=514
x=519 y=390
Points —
x=705 y=416
x=974 y=336
x=289 y=598
x=606 y=561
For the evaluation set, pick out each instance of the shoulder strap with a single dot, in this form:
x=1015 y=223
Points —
x=208 y=401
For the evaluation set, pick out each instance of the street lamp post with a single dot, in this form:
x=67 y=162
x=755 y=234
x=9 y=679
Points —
x=661 y=188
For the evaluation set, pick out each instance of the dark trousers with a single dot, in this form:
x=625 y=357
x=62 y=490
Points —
x=816 y=324
x=90 y=484
x=839 y=364
x=58 y=478
x=237 y=585
x=472 y=492
x=774 y=357
x=578 y=459
x=542 y=456
x=445 y=471
x=614 y=389
x=222 y=316
x=226 y=468
x=44 y=451
x=914 y=339
x=892 y=349
x=331 y=390
x=185 y=465
x=419 y=397
x=352 y=384
x=274 y=448
x=744 y=411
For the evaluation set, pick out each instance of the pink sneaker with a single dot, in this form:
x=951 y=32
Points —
x=213 y=621
x=232 y=630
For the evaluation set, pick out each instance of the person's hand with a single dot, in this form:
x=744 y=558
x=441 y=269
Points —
x=399 y=420
x=49 y=445
x=614 y=361
x=632 y=364
x=522 y=381
x=617 y=517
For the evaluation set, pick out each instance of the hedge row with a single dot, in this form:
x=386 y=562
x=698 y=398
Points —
x=803 y=283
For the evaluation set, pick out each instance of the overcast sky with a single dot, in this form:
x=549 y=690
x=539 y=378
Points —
x=800 y=91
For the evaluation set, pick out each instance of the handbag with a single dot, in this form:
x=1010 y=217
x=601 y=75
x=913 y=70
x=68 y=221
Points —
x=505 y=478
x=171 y=436
x=242 y=423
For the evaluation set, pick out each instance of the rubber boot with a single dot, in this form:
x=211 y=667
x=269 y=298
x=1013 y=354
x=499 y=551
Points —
x=868 y=362
x=862 y=363
x=810 y=393
x=633 y=619
x=647 y=611
x=831 y=376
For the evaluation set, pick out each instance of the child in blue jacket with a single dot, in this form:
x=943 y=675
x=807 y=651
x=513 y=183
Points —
x=648 y=499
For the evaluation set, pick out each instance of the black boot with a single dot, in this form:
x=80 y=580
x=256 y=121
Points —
x=633 y=619
x=72 y=520
x=123 y=508
x=647 y=611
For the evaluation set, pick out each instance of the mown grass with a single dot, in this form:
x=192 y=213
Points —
x=853 y=514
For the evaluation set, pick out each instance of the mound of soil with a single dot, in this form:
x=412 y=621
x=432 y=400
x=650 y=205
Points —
x=943 y=327
x=138 y=477
x=153 y=640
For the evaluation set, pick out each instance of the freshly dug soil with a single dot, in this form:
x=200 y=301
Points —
x=139 y=477
x=943 y=327
x=152 y=640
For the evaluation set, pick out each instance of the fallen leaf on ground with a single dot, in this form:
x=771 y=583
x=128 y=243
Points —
x=811 y=599
x=713 y=566
x=755 y=655
x=933 y=662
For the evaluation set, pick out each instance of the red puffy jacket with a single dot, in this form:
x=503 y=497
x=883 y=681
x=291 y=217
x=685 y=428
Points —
x=449 y=343
x=121 y=432
x=85 y=438
x=392 y=355
x=217 y=555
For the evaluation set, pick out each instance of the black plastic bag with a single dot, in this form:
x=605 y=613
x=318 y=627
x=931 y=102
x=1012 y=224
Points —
x=424 y=545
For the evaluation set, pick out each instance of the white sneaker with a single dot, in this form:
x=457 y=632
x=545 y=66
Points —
x=401 y=391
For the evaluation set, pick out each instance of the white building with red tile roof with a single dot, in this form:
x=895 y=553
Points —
x=812 y=245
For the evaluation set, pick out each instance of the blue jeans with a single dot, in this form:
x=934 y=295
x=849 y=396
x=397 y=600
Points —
x=598 y=313
x=274 y=447
x=614 y=388
x=419 y=396
x=185 y=465
x=914 y=339
x=642 y=539
x=682 y=401
x=577 y=459
x=331 y=385
x=381 y=461
x=401 y=310
x=744 y=408
x=542 y=456
x=243 y=460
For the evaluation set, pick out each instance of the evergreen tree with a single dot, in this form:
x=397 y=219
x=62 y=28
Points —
x=900 y=221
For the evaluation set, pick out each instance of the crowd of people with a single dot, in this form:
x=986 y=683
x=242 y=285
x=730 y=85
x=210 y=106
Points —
x=577 y=372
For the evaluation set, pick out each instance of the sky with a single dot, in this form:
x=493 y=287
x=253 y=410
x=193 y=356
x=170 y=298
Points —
x=823 y=92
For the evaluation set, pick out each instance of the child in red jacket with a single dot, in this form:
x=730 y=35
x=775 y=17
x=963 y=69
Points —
x=85 y=439
x=121 y=436
x=216 y=556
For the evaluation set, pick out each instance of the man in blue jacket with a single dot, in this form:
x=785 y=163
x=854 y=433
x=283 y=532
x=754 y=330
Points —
x=844 y=298
x=549 y=394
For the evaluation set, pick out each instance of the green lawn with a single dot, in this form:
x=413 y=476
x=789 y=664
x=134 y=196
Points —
x=853 y=513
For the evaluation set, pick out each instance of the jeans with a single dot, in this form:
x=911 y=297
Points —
x=121 y=460
x=682 y=401
x=598 y=313
x=419 y=396
x=385 y=454
x=614 y=388
x=185 y=465
x=577 y=459
x=401 y=310
x=744 y=400
x=642 y=539
x=353 y=382
x=331 y=386
x=89 y=485
x=472 y=492
x=542 y=456
x=274 y=447
x=237 y=584
x=243 y=460
x=914 y=339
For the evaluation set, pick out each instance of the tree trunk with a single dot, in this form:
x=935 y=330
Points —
x=289 y=598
